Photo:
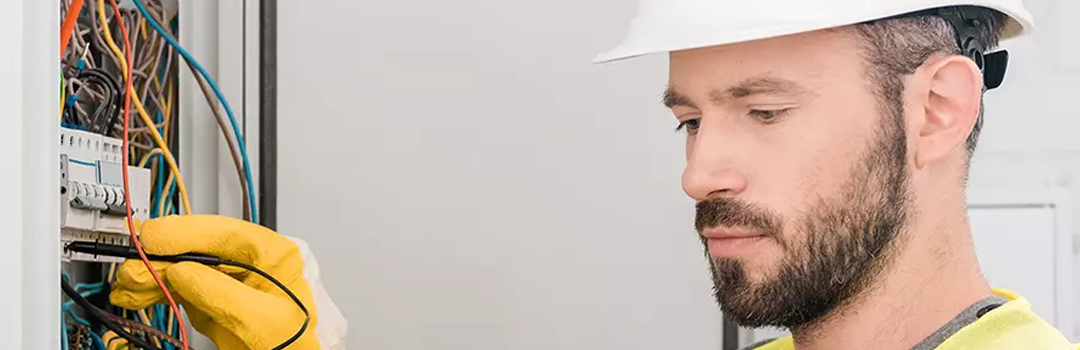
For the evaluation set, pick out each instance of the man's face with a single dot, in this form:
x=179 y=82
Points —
x=799 y=173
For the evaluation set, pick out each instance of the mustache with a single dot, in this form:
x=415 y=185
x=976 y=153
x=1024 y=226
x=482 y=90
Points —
x=731 y=212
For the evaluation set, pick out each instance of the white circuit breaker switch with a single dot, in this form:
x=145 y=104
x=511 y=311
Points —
x=113 y=219
x=92 y=194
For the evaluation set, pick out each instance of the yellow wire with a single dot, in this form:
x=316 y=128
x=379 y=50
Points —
x=146 y=158
x=171 y=319
x=112 y=273
x=163 y=206
x=113 y=341
x=142 y=28
x=146 y=321
x=63 y=95
x=142 y=111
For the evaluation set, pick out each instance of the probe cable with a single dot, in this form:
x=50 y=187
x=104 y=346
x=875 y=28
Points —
x=121 y=251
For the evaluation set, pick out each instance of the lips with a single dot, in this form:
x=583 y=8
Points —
x=723 y=242
x=728 y=233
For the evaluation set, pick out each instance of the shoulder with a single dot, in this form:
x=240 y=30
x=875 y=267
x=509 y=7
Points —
x=784 y=343
x=1010 y=326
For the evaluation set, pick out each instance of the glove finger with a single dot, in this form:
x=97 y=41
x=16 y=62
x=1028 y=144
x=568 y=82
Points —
x=133 y=275
x=222 y=337
x=135 y=287
x=221 y=236
x=260 y=319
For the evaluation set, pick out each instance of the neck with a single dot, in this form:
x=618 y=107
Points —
x=933 y=278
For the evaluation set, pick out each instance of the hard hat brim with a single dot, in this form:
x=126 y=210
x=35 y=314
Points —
x=1018 y=25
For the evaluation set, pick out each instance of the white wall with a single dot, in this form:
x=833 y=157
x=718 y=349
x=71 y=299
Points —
x=469 y=182
x=1033 y=112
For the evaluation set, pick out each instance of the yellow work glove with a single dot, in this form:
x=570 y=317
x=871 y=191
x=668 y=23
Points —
x=238 y=310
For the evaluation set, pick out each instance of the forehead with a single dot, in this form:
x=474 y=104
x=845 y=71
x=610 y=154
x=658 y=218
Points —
x=822 y=57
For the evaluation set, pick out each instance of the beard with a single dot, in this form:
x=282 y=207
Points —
x=849 y=239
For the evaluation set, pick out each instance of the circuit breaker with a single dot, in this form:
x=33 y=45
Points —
x=92 y=204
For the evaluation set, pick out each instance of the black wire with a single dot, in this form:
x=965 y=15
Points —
x=69 y=114
x=98 y=314
x=307 y=315
x=106 y=113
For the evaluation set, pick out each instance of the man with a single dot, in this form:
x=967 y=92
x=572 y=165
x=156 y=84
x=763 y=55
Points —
x=827 y=146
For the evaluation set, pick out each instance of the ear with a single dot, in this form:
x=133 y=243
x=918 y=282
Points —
x=953 y=92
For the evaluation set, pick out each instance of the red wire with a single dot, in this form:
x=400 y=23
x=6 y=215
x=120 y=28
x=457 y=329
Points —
x=127 y=192
x=68 y=28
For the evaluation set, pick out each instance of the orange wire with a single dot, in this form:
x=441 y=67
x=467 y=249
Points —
x=68 y=28
x=127 y=192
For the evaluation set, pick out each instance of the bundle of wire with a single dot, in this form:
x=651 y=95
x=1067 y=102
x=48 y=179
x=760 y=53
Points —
x=98 y=78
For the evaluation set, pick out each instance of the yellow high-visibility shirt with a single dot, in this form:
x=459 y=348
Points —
x=1011 y=326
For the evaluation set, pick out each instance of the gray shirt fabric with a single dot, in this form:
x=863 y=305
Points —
x=966 y=317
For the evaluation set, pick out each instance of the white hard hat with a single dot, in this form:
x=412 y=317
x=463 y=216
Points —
x=673 y=25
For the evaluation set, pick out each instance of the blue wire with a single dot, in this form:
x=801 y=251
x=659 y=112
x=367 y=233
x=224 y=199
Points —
x=63 y=333
x=98 y=344
x=162 y=323
x=90 y=286
x=76 y=317
x=220 y=96
x=159 y=186
x=169 y=197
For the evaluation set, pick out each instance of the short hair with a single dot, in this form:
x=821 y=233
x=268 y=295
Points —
x=896 y=47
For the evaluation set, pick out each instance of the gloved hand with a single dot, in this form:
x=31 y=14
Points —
x=238 y=310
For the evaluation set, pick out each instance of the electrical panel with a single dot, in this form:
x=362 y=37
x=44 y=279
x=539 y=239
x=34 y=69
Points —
x=92 y=193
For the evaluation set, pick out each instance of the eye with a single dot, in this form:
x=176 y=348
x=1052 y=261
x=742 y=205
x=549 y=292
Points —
x=689 y=125
x=769 y=115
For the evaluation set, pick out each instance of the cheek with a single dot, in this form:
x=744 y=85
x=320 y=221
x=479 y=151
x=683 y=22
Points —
x=810 y=160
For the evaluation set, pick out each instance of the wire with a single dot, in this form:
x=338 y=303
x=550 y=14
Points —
x=142 y=327
x=112 y=341
x=307 y=315
x=146 y=321
x=63 y=93
x=105 y=115
x=63 y=332
x=146 y=158
x=232 y=146
x=146 y=118
x=234 y=149
x=221 y=97
x=69 y=24
x=168 y=200
x=125 y=155
x=100 y=315
x=98 y=343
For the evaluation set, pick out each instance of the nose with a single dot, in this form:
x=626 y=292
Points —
x=712 y=168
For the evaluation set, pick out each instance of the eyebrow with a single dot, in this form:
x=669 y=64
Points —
x=673 y=98
x=762 y=85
